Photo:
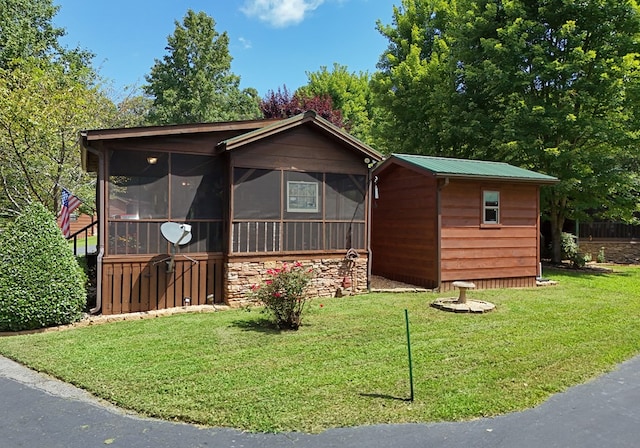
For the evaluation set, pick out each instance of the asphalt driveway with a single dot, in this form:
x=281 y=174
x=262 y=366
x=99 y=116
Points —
x=38 y=411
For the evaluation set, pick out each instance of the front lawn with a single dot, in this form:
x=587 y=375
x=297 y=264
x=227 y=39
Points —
x=347 y=365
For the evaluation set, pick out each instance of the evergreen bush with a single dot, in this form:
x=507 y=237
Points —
x=41 y=283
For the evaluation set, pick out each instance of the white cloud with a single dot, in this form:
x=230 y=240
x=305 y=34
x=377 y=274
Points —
x=246 y=43
x=280 y=13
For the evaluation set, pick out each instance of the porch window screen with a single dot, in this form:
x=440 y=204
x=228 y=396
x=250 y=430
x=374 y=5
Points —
x=256 y=194
x=138 y=189
x=146 y=189
x=289 y=211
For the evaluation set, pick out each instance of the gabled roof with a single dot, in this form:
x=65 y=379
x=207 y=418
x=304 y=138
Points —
x=467 y=169
x=311 y=117
x=250 y=131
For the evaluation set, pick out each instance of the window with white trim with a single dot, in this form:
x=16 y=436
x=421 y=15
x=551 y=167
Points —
x=491 y=207
x=302 y=196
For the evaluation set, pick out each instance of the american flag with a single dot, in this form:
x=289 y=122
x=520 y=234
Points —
x=69 y=204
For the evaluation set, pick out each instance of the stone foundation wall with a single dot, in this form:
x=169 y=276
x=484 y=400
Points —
x=624 y=252
x=328 y=281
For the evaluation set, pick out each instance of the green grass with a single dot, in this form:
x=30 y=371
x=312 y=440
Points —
x=347 y=365
x=91 y=241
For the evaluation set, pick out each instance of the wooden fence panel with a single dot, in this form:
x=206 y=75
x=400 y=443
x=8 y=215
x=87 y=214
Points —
x=144 y=285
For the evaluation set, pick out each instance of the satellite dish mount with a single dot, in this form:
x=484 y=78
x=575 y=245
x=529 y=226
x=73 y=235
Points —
x=178 y=235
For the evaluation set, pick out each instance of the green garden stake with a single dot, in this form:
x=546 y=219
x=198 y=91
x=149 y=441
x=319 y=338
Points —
x=406 y=319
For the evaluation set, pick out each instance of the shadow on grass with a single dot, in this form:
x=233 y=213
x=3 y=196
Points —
x=385 y=397
x=585 y=272
x=261 y=325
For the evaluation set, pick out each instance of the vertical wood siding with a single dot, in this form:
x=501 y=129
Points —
x=404 y=227
x=495 y=283
x=143 y=284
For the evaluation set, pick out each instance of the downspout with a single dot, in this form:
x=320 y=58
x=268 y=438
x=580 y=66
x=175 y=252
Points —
x=101 y=229
x=369 y=216
x=439 y=231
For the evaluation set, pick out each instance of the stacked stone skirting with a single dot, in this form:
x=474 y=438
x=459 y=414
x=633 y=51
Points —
x=328 y=281
x=615 y=251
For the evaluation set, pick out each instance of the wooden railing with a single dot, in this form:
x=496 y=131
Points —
x=287 y=236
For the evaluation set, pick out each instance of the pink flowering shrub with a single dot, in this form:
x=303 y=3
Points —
x=283 y=294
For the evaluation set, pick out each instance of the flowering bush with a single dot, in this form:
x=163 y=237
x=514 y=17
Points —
x=283 y=294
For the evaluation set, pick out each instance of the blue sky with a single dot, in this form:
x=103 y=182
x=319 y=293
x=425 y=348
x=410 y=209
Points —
x=272 y=42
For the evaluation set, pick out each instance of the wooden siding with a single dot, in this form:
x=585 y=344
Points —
x=471 y=251
x=494 y=283
x=132 y=284
x=404 y=227
x=300 y=149
x=80 y=222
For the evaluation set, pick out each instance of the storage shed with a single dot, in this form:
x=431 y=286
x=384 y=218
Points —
x=436 y=220
x=253 y=194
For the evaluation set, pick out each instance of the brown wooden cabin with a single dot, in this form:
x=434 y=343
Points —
x=437 y=220
x=255 y=193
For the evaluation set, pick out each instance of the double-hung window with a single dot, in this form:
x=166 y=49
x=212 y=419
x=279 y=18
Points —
x=490 y=207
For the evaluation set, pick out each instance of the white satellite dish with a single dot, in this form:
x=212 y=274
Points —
x=178 y=235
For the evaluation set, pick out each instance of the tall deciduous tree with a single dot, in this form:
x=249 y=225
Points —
x=193 y=82
x=349 y=92
x=47 y=93
x=551 y=86
x=42 y=108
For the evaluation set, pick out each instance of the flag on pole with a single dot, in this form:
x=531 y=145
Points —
x=69 y=204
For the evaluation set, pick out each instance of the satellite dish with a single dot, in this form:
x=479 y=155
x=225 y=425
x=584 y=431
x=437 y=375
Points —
x=178 y=235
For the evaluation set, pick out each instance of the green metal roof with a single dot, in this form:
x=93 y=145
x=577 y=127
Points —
x=444 y=166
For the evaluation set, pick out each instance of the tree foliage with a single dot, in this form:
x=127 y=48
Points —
x=42 y=108
x=550 y=86
x=27 y=30
x=281 y=104
x=47 y=94
x=193 y=82
x=349 y=93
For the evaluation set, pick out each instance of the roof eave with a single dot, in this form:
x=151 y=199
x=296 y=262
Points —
x=175 y=129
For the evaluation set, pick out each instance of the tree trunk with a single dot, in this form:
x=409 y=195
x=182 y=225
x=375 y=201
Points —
x=557 y=218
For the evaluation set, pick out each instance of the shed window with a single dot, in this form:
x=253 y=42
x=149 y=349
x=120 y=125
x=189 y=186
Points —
x=491 y=207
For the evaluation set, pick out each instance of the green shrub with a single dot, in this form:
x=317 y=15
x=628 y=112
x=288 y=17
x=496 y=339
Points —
x=283 y=294
x=570 y=250
x=41 y=284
